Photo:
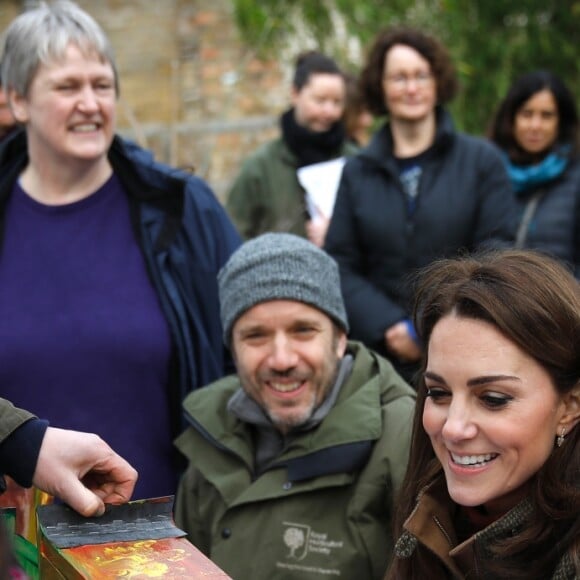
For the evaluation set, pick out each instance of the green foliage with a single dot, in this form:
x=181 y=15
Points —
x=492 y=42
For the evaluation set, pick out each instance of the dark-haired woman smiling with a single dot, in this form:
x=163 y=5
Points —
x=491 y=489
x=537 y=127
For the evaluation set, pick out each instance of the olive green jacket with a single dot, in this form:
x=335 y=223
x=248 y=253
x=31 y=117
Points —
x=324 y=507
x=267 y=196
x=11 y=418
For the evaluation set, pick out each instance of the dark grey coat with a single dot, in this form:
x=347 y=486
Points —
x=555 y=226
x=465 y=201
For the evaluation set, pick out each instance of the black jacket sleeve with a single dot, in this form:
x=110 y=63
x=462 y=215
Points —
x=19 y=451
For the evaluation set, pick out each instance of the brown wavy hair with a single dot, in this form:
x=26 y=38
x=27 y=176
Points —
x=534 y=301
x=428 y=47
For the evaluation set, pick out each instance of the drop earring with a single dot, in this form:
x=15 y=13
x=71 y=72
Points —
x=561 y=437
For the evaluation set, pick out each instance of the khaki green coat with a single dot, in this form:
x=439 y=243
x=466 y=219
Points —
x=11 y=418
x=324 y=508
x=266 y=196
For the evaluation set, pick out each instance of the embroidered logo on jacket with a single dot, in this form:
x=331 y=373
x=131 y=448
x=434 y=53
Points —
x=300 y=541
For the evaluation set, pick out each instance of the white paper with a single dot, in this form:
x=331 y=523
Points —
x=320 y=181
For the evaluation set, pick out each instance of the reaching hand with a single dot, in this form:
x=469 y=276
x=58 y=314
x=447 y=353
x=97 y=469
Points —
x=401 y=344
x=83 y=471
x=316 y=230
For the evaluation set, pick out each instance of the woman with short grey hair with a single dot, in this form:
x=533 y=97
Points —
x=108 y=291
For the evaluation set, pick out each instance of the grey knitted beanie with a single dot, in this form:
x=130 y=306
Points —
x=279 y=266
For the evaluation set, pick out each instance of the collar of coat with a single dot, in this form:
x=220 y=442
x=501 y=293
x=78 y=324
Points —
x=279 y=148
x=431 y=524
x=380 y=149
x=146 y=182
x=342 y=443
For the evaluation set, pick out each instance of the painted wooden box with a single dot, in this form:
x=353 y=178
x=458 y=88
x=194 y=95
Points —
x=137 y=540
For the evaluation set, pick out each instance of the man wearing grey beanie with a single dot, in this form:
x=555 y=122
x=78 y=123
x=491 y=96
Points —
x=295 y=461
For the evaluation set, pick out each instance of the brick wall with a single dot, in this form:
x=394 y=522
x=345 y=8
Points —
x=190 y=89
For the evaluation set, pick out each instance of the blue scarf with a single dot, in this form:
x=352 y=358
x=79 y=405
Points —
x=527 y=177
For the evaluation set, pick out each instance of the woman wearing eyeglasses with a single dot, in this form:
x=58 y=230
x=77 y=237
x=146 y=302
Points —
x=418 y=192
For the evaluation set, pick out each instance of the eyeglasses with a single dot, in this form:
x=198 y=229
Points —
x=401 y=81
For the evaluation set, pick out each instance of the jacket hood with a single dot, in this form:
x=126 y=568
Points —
x=357 y=408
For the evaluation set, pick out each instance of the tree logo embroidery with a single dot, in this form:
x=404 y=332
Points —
x=296 y=540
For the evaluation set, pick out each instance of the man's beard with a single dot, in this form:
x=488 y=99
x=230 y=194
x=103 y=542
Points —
x=286 y=422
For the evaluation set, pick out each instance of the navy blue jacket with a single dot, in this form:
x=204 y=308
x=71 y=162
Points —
x=185 y=236
x=465 y=201
x=555 y=226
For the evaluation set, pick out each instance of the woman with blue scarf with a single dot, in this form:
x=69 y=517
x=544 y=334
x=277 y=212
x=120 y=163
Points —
x=536 y=126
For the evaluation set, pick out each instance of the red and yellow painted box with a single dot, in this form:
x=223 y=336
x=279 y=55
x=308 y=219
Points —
x=117 y=546
x=171 y=558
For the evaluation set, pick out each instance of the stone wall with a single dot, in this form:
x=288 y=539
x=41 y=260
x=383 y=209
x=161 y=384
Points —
x=190 y=90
